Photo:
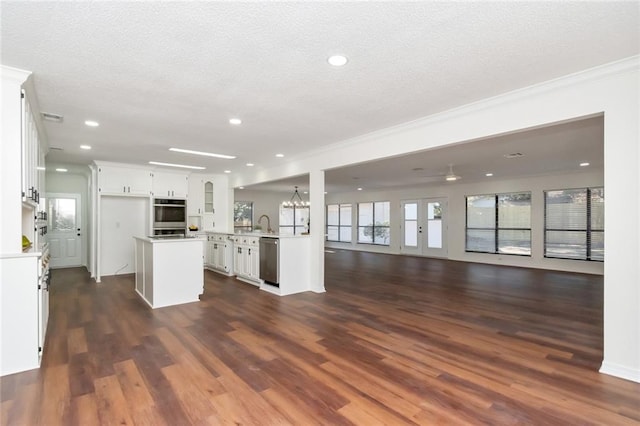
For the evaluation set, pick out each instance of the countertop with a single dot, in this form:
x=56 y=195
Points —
x=168 y=239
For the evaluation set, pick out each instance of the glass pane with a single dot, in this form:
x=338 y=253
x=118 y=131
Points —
x=286 y=216
x=514 y=210
x=411 y=211
x=481 y=211
x=302 y=217
x=62 y=214
x=243 y=214
x=381 y=213
x=597 y=209
x=286 y=230
x=481 y=240
x=434 y=210
x=597 y=245
x=345 y=214
x=434 y=234
x=332 y=233
x=514 y=242
x=365 y=214
x=566 y=244
x=381 y=236
x=345 y=233
x=332 y=214
x=365 y=234
x=410 y=233
x=566 y=209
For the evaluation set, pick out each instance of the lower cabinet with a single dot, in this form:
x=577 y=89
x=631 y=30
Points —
x=246 y=258
x=24 y=312
x=220 y=254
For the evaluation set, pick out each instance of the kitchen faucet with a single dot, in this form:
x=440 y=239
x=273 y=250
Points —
x=269 y=230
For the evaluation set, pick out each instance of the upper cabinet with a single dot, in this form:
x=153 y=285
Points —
x=195 y=202
x=208 y=197
x=122 y=180
x=170 y=184
x=31 y=146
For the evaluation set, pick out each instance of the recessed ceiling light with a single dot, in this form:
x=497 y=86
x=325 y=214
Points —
x=242 y=187
x=206 y=154
x=157 y=163
x=227 y=171
x=489 y=174
x=62 y=170
x=584 y=164
x=451 y=178
x=85 y=147
x=92 y=123
x=359 y=189
x=305 y=192
x=235 y=121
x=279 y=155
x=41 y=168
x=337 y=60
x=250 y=164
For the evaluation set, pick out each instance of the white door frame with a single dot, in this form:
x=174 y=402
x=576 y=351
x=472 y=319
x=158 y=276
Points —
x=416 y=218
x=57 y=263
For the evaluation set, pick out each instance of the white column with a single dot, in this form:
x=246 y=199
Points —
x=316 y=197
x=622 y=235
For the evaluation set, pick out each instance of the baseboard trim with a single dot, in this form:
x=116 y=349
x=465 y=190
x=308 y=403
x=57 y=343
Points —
x=620 y=371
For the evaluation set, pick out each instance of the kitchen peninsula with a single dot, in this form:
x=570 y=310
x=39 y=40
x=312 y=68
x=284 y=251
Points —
x=169 y=270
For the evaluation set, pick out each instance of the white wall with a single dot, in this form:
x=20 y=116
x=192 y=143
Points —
x=121 y=218
x=455 y=194
x=74 y=183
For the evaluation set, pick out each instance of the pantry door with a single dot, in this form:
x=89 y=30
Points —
x=64 y=230
x=424 y=227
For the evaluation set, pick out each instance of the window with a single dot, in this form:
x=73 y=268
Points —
x=294 y=220
x=373 y=223
x=499 y=223
x=574 y=224
x=339 y=222
x=243 y=216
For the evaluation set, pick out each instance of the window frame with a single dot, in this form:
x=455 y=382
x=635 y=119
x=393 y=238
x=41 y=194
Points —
x=339 y=226
x=374 y=227
x=294 y=226
x=249 y=227
x=496 y=228
x=588 y=229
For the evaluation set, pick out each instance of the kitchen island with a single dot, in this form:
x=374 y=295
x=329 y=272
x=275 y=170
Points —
x=169 y=270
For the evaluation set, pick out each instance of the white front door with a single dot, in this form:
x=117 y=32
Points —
x=64 y=230
x=424 y=227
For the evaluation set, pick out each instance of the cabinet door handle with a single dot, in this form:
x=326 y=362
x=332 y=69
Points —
x=124 y=189
x=129 y=188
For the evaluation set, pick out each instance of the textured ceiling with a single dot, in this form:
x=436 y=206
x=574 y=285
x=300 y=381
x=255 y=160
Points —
x=163 y=74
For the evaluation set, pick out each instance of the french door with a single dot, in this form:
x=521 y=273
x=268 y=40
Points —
x=424 y=227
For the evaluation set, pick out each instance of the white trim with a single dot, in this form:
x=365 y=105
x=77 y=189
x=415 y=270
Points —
x=620 y=371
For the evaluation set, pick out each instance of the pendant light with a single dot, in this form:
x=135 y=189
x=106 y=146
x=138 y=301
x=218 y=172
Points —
x=296 y=200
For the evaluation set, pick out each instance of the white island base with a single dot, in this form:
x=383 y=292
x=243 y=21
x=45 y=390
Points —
x=169 y=271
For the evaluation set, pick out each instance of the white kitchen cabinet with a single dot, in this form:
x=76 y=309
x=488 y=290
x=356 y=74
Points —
x=220 y=254
x=170 y=184
x=30 y=161
x=195 y=197
x=122 y=180
x=24 y=311
x=246 y=258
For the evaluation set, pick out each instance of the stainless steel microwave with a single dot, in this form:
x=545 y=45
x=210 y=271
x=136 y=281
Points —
x=169 y=213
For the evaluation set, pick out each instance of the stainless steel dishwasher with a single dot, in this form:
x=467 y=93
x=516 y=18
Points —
x=270 y=261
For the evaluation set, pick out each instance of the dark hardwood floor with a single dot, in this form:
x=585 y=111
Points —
x=395 y=340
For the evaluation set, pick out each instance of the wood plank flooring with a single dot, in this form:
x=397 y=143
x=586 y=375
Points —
x=395 y=340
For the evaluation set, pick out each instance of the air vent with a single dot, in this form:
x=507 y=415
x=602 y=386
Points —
x=514 y=155
x=52 y=117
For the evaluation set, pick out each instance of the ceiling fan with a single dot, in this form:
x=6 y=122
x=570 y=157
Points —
x=450 y=177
